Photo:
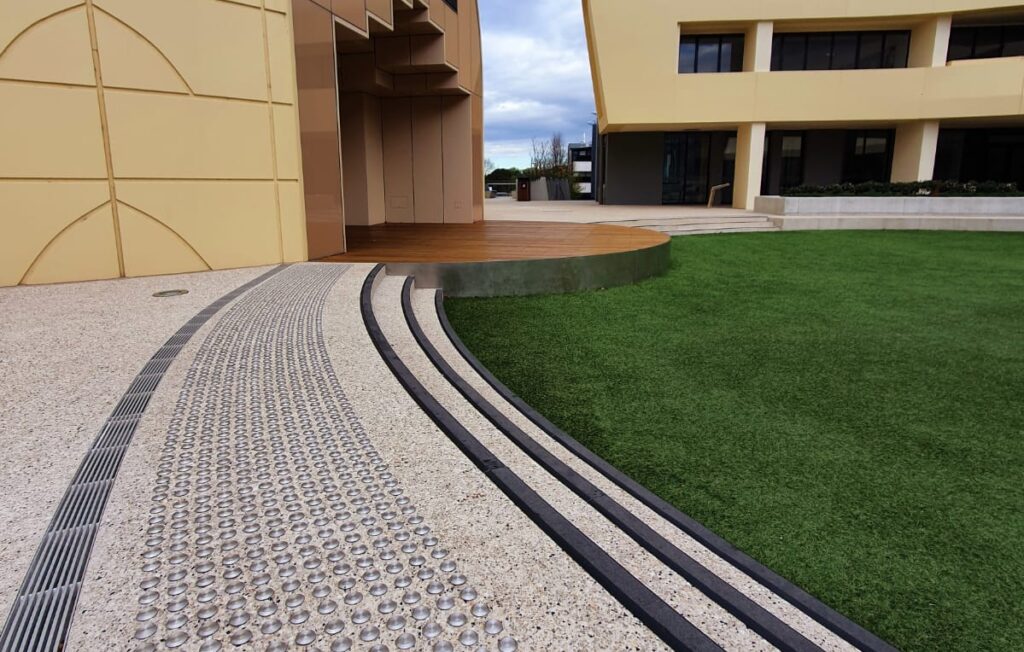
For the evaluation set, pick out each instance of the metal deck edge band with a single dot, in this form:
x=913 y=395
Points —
x=651 y=610
x=826 y=616
x=751 y=614
x=42 y=613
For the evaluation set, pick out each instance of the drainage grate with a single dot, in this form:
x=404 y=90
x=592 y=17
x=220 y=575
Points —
x=40 y=618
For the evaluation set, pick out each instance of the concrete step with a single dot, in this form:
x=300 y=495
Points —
x=718 y=228
x=627 y=534
x=620 y=558
x=672 y=221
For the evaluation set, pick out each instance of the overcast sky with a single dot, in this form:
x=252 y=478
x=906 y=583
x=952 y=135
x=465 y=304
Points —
x=536 y=76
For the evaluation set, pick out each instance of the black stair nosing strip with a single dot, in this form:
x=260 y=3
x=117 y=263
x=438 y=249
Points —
x=751 y=614
x=53 y=580
x=817 y=610
x=639 y=600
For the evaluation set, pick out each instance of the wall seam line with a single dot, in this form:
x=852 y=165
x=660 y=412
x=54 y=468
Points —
x=140 y=91
x=105 y=132
x=56 y=236
x=35 y=24
x=173 y=231
x=412 y=154
x=150 y=43
x=273 y=128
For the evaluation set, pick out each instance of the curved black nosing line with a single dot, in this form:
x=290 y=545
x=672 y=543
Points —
x=42 y=614
x=821 y=613
x=751 y=614
x=651 y=610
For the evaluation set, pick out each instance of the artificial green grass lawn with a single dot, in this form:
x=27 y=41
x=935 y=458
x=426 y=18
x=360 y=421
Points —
x=846 y=407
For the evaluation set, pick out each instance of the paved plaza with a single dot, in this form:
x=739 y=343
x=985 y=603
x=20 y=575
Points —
x=304 y=457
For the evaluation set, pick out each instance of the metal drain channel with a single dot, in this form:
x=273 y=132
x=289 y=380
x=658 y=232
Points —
x=40 y=618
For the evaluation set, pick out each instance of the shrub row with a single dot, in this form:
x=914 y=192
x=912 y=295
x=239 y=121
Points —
x=916 y=189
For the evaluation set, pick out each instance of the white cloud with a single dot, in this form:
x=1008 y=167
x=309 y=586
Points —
x=537 y=74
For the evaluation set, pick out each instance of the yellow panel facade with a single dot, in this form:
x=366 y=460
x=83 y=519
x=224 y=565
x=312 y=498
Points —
x=171 y=157
x=218 y=47
x=635 y=52
x=228 y=223
x=50 y=132
x=166 y=136
x=144 y=137
x=629 y=100
x=150 y=247
x=84 y=250
x=19 y=18
x=281 y=57
x=129 y=60
x=293 y=222
x=30 y=55
x=35 y=213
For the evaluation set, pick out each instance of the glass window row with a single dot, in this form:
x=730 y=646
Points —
x=840 y=50
x=711 y=53
x=986 y=42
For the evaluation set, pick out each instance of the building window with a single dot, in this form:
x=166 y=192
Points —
x=711 y=53
x=792 y=161
x=840 y=50
x=868 y=156
x=454 y=4
x=986 y=42
x=981 y=155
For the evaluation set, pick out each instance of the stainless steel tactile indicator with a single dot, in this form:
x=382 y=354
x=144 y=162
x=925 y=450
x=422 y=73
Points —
x=275 y=523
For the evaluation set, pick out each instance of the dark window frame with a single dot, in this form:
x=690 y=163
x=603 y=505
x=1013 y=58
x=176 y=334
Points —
x=454 y=4
x=737 y=44
x=850 y=161
x=782 y=39
x=785 y=182
x=974 y=31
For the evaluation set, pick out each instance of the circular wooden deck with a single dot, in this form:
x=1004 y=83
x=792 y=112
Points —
x=511 y=258
x=491 y=259
x=490 y=242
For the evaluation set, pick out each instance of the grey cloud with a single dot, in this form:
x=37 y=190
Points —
x=537 y=75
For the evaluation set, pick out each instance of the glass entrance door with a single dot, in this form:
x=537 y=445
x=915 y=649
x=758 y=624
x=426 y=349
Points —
x=685 y=172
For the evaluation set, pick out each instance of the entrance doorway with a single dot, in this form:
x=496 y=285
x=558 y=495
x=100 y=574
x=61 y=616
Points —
x=696 y=161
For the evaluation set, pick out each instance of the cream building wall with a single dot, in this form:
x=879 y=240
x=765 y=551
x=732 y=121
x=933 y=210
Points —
x=638 y=88
x=144 y=137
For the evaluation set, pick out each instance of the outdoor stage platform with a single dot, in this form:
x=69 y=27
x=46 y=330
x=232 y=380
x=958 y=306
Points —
x=510 y=258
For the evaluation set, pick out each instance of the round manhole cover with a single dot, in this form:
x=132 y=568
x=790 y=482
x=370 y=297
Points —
x=170 y=293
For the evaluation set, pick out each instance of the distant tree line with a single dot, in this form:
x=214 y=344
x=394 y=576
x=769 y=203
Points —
x=548 y=158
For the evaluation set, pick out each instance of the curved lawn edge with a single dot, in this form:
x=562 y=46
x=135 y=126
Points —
x=799 y=598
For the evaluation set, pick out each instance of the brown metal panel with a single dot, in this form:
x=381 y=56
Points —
x=458 y=159
x=351 y=11
x=427 y=140
x=316 y=75
x=451 y=37
x=396 y=123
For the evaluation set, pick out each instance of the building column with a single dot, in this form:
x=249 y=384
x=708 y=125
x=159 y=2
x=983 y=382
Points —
x=914 y=152
x=749 y=164
x=929 y=42
x=757 y=49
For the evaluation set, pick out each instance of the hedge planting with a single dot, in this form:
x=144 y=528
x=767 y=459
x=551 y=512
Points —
x=915 y=189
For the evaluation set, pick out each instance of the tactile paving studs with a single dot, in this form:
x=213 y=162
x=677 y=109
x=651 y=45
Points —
x=275 y=524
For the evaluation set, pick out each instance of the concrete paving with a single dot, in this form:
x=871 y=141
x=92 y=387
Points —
x=286 y=488
x=590 y=212
x=67 y=354
x=699 y=220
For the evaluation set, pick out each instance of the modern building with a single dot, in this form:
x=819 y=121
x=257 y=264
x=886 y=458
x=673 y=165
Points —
x=771 y=95
x=581 y=162
x=142 y=137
